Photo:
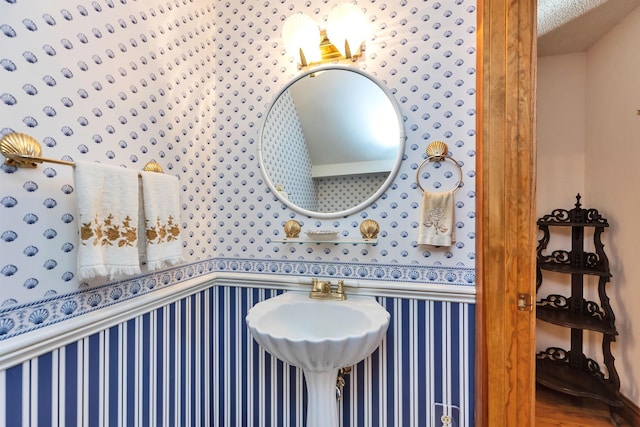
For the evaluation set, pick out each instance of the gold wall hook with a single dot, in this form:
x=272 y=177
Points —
x=153 y=167
x=292 y=229
x=369 y=229
x=20 y=150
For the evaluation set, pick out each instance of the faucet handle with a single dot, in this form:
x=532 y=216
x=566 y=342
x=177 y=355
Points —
x=340 y=289
x=323 y=286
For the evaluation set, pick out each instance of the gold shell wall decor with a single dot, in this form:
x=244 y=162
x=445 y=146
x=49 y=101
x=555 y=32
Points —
x=152 y=167
x=14 y=145
x=437 y=149
x=292 y=229
x=369 y=229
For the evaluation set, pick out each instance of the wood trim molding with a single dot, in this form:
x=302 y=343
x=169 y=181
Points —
x=505 y=344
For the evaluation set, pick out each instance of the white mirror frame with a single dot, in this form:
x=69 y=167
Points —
x=385 y=185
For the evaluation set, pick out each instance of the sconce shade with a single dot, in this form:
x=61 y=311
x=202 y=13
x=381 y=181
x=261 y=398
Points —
x=347 y=28
x=301 y=37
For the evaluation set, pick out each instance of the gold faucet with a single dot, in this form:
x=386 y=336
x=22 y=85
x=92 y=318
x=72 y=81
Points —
x=321 y=289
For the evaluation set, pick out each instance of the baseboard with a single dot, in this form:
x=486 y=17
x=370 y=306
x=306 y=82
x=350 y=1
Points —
x=630 y=412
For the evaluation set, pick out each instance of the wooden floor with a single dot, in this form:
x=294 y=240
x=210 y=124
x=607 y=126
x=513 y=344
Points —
x=555 y=409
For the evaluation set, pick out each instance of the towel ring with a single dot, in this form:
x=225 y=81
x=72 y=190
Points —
x=437 y=152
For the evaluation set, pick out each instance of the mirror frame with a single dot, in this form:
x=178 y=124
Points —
x=402 y=137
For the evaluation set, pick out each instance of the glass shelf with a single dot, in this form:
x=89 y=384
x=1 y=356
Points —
x=345 y=241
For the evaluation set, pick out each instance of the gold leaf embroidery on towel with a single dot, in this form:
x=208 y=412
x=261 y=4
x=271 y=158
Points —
x=160 y=233
x=108 y=232
x=433 y=220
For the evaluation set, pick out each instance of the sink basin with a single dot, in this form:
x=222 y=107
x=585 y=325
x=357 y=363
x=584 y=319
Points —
x=317 y=335
x=320 y=337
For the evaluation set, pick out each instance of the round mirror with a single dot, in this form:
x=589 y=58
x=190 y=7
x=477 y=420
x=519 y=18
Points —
x=331 y=142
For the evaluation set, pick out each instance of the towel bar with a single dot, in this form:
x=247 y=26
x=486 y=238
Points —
x=24 y=151
x=437 y=152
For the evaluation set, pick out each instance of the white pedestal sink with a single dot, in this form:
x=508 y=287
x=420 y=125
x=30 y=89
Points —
x=320 y=337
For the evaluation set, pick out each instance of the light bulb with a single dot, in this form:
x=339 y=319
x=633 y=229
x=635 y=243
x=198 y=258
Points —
x=301 y=32
x=347 y=21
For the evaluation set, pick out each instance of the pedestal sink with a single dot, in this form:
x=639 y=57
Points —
x=320 y=337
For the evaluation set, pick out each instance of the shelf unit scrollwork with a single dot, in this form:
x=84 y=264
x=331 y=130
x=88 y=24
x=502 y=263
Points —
x=571 y=371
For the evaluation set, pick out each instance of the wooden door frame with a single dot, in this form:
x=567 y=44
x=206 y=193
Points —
x=505 y=336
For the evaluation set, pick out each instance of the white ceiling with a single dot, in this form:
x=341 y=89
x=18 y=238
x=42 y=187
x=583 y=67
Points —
x=570 y=26
x=347 y=120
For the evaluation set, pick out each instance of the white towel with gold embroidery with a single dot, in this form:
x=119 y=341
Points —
x=436 y=219
x=161 y=199
x=107 y=198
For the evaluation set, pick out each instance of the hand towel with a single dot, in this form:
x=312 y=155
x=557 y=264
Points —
x=107 y=198
x=436 y=219
x=161 y=199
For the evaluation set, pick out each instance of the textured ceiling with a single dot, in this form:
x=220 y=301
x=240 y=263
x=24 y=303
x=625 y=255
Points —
x=569 y=26
x=553 y=14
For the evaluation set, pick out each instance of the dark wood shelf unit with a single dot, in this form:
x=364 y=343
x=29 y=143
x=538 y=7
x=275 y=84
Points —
x=571 y=371
x=551 y=265
x=563 y=316
x=561 y=376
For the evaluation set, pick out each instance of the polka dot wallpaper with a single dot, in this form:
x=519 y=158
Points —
x=424 y=52
x=288 y=164
x=339 y=193
x=187 y=83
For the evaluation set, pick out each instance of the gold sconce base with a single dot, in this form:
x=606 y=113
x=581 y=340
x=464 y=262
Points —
x=330 y=54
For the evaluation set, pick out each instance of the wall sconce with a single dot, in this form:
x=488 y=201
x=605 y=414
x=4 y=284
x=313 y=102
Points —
x=342 y=40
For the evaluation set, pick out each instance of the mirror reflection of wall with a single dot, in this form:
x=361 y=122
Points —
x=330 y=140
x=337 y=193
x=286 y=155
x=316 y=185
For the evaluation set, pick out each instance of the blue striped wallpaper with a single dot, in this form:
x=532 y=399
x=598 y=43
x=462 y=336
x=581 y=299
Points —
x=194 y=363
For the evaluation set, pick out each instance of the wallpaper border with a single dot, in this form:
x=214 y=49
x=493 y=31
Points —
x=126 y=299
x=23 y=318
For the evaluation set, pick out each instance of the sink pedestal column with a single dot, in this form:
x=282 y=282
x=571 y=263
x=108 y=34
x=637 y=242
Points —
x=322 y=407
